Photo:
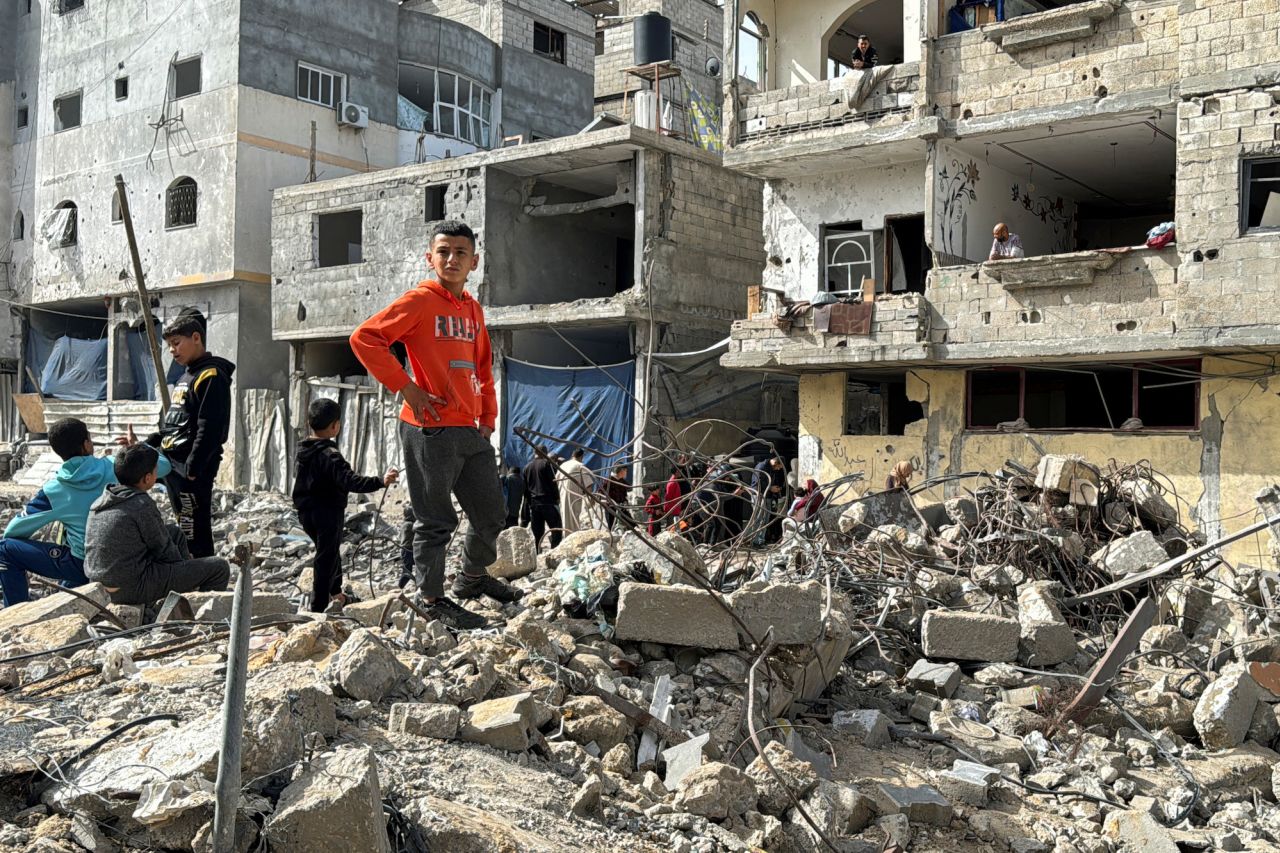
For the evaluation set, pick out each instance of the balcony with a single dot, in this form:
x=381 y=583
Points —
x=866 y=118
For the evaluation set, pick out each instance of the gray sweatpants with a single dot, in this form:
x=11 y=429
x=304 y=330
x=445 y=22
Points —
x=441 y=462
x=156 y=580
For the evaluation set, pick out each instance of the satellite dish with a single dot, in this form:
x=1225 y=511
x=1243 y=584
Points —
x=713 y=67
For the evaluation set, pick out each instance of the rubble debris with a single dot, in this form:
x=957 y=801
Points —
x=425 y=719
x=921 y=804
x=517 y=554
x=364 y=668
x=335 y=805
x=503 y=723
x=674 y=615
x=868 y=726
x=1046 y=638
x=1131 y=555
x=939 y=679
x=1225 y=710
x=716 y=791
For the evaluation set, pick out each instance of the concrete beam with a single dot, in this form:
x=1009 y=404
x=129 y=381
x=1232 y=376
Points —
x=1112 y=106
x=624 y=193
x=836 y=149
x=1267 y=74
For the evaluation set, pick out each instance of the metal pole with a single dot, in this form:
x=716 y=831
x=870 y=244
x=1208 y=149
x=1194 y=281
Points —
x=227 y=788
x=153 y=337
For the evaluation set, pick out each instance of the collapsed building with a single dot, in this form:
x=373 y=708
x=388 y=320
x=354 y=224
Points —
x=1082 y=126
x=203 y=109
x=611 y=264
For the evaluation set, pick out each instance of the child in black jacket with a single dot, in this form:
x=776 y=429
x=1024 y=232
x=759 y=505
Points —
x=322 y=481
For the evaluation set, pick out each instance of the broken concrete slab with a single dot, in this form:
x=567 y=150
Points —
x=1130 y=555
x=336 y=805
x=216 y=606
x=364 y=668
x=53 y=606
x=716 y=791
x=299 y=687
x=517 y=554
x=367 y=613
x=683 y=758
x=792 y=611
x=1069 y=474
x=673 y=615
x=938 y=679
x=968 y=782
x=838 y=809
x=54 y=633
x=951 y=634
x=1045 y=637
x=425 y=719
x=871 y=727
x=587 y=719
x=991 y=747
x=503 y=723
x=921 y=804
x=799 y=776
x=1138 y=831
x=1225 y=709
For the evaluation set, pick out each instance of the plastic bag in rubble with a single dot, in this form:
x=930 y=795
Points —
x=117 y=660
x=159 y=801
x=582 y=581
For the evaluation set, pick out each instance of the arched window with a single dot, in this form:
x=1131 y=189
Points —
x=180 y=204
x=19 y=226
x=66 y=225
x=117 y=215
x=752 y=60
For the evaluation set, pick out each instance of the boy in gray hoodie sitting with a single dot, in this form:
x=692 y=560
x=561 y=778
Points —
x=130 y=550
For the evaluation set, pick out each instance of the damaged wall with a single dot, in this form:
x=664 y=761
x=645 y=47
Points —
x=797 y=208
x=1215 y=471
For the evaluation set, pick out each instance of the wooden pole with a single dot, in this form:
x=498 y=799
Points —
x=153 y=336
x=311 y=157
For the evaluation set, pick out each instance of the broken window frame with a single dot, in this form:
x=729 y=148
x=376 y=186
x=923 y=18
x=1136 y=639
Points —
x=71 y=231
x=554 y=47
x=117 y=211
x=315 y=79
x=1180 y=371
x=58 y=125
x=65 y=6
x=850 y=234
x=22 y=118
x=182 y=204
x=1247 y=180
x=755 y=32
x=478 y=126
x=173 y=77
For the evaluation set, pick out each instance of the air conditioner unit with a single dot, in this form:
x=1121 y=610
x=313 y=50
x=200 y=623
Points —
x=353 y=115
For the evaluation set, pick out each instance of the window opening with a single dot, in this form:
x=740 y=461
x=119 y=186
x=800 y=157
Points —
x=122 y=88
x=180 y=204
x=751 y=49
x=339 y=238
x=1260 y=207
x=850 y=255
x=435 y=202
x=321 y=86
x=24 y=116
x=548 y=42
x=184 y=78
x=66 y=112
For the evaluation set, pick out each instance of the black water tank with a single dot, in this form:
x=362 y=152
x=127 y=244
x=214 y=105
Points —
x=652 y=38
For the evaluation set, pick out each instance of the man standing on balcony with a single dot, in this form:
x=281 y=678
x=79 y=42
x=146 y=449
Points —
x=1005 y=245
x=864 y=56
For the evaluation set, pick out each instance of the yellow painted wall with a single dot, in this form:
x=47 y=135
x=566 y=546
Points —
x=1242 y=409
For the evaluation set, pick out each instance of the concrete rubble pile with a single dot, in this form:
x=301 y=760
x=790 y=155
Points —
x=903 y=676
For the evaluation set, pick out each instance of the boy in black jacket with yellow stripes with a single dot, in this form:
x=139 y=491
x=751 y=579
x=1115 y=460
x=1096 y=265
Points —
x=322 y=481
x=194 y=429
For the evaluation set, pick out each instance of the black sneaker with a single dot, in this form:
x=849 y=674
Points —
x=453 y=614
x=468 y=586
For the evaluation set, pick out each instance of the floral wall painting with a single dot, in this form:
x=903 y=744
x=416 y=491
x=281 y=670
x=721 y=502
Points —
x=1052 y=212
x=957 y=189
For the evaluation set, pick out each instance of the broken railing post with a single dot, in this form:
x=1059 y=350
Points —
x=227 y=789
x=148 y=320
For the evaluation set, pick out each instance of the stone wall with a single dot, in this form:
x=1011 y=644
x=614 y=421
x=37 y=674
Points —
x=1135 y=49
x=826 y=103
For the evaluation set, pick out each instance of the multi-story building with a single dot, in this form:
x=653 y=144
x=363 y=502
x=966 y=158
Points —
x=204 y=107
x=697 y=54
x=617 y=249
x=1080 y=125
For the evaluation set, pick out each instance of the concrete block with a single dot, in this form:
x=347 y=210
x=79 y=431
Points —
x=969 y=636
x=1130 y=555
x=717 y=791
x=682 y=759
x=367 y=613
x=1070 y=474
x=517 y=554
x=869 y=726
x=1046 y=638
x=587 y=719
x=800 y=777
x=793 y=611
x=1225 y=710
x=364 y=668
x=938 y=679
x=922 y=706
x=216 y=606
x=53 y=606
x=300 y=687
x=1138 y=831
x=425 y=719
x=673 y=615
x=968 y=782
x=921 y=804
x=335 y=805
x=501 y=723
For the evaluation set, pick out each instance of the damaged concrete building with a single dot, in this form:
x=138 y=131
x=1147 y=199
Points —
x=596 y=250
x=1081 y=125
x=204 y=108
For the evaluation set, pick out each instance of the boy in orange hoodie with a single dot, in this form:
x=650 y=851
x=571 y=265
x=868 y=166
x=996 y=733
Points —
x=448 y=416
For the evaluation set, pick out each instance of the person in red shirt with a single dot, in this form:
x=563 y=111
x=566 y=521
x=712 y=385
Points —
x=448 y=416
x=653 y=509
x=673 y=499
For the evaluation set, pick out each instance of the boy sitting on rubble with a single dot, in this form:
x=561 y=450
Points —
x=323 y=482
x=128 y=547
x=65 y=499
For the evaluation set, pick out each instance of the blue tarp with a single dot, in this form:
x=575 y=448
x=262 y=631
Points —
x=141 y=367
x=76 y=370
x=590 y=406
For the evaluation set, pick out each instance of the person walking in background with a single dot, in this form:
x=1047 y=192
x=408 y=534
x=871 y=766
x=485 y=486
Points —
x=542 y=496
x=579 y=483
